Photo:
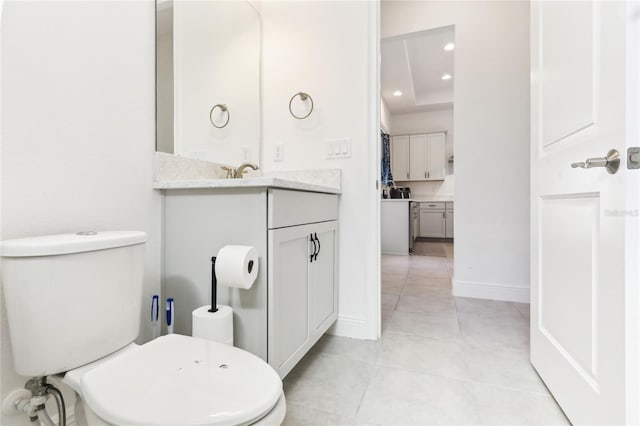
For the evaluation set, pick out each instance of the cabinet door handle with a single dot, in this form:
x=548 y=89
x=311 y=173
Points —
x=315 y=248
x=318 y=252
x=407 y=175
x=428 y=174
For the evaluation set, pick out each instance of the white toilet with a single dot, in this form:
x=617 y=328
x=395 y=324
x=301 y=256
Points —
x=73 y=305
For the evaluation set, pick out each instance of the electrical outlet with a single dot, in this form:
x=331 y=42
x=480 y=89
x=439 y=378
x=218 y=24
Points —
x=278 y=152
x=246 y=154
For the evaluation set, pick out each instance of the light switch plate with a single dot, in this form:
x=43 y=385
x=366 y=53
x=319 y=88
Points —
x=338 y=149
x=278 y=152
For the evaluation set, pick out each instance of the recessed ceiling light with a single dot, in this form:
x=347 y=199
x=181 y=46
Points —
x=397 y=93
x=446 y=76
x=449 y=47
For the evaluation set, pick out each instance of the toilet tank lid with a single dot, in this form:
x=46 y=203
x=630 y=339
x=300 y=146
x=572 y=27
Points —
x=51 y=245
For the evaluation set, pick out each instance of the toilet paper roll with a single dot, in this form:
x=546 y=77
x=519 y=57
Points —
x=237 y=266
x=213 y=326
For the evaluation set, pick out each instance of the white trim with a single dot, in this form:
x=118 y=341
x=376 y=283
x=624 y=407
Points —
x=509 y=293
x=369 y=327
x=356 y=328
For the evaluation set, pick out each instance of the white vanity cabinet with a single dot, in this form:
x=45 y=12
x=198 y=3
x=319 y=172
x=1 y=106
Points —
x=294 y=299
x=302 y=274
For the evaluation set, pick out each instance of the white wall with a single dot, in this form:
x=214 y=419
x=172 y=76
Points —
x=491 y=123
x=428 y=121
x=328 y=49
x=77 y=100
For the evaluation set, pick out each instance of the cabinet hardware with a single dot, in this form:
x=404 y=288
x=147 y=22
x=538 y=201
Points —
x=428 y=174
x=318 y=252
x=315 y=248
x=407 y=175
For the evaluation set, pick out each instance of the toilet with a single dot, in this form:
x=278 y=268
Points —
x=73 y=306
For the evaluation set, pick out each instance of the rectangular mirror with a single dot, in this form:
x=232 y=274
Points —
x=208 y=80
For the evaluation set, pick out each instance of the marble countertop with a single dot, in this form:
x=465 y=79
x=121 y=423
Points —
x=249 y=182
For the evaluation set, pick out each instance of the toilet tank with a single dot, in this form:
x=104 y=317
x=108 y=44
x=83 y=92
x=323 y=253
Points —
x=72 y=298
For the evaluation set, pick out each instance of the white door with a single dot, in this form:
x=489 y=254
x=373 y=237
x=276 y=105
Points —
x=581 y=299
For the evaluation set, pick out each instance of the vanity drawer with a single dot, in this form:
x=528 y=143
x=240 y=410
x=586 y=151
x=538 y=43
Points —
x=290 y=208
x=435 y=205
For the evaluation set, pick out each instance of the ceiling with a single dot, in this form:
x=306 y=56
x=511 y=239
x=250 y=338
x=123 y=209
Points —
x=414 y=64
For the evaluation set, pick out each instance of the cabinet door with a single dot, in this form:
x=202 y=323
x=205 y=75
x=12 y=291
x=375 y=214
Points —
x=435 y=156
x=449 y=225
x=400 y=158
x=418 y=157
x=432 y=223
x=323 y=295
x=288 y=319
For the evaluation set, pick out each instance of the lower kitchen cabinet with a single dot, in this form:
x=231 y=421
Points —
x=449 y=224
x=432 y=223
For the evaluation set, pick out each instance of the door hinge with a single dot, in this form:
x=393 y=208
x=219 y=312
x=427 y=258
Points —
x=633 y=158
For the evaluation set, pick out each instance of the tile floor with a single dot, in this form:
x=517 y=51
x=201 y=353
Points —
x=441 y=360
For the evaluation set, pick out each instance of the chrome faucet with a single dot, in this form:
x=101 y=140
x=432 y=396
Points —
x=241 y=169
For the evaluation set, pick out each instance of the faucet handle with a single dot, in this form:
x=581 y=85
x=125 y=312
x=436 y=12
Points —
x=229 y=170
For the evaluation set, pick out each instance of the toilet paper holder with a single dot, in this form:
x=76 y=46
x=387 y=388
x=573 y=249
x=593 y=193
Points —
x=214 y=283
x=214 y=287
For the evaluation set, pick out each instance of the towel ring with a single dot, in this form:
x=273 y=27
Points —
x=223 y=108
x=303 y=97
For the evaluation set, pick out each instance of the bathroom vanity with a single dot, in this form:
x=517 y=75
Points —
x=294 y=228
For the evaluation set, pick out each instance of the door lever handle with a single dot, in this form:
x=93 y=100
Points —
x=611 y=162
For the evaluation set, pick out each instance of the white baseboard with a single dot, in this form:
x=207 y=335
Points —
x=491 y=291
x=345 y=326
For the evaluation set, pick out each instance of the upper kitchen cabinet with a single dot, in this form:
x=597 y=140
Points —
x=418 y=157
x=400 y=157
x=435 y=160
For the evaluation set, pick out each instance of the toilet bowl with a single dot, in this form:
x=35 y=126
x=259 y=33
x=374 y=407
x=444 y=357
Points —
x=179 y=380
x=73 y=306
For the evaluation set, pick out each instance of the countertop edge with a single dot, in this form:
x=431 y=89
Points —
x=257 y=182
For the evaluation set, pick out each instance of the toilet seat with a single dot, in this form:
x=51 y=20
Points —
x=181 y=380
